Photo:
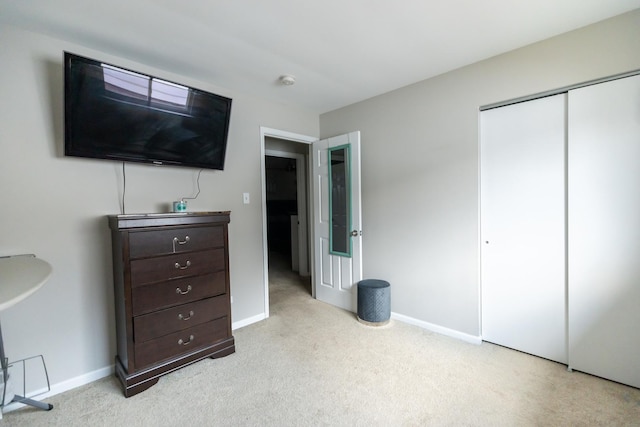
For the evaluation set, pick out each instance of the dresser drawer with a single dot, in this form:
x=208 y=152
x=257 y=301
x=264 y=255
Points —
x=167 y=267
x=156 y=296
x=175 y=240
x=182 y=342
x=164 y=322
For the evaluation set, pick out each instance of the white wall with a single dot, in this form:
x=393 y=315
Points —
x=420 y=164
x=55 y=206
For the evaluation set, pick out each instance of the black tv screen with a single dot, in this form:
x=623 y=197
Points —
x=118 y=114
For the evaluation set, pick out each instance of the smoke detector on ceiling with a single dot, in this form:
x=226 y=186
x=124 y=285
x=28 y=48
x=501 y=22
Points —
x=287 y=80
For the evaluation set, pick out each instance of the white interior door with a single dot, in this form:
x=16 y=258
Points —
x=336 y=276
x=523 y=227
x=604 y=230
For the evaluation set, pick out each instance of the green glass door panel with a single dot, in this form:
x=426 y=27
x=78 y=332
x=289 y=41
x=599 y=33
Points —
x=340 y=200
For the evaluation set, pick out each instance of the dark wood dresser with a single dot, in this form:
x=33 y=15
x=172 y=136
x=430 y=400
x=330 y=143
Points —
x=172 y=299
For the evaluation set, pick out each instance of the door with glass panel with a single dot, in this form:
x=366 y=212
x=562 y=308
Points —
x=337 y=219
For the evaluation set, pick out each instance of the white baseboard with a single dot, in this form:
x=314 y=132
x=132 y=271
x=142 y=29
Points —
x=66 y=386
x=248 y=321
x=437 y=329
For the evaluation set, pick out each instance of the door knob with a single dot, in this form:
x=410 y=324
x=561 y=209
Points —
x=355 y=233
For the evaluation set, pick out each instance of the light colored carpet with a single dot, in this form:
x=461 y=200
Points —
x=311 y=364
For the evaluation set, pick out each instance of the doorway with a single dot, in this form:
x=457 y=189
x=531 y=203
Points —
x=286 y=213
x=286 y=209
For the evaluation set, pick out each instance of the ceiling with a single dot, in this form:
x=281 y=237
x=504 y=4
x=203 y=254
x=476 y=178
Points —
x=340 y=51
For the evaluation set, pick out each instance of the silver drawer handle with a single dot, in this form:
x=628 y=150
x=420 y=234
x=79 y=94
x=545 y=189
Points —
x=181 y=342
x=180 y=242
x=181 y=316
x=181 y=292
x=183 y=267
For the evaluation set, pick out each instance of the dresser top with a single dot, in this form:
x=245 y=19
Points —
x=117 y=222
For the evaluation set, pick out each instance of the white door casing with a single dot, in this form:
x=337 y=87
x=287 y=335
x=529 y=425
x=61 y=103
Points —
x=336 y=277
x=522 y=208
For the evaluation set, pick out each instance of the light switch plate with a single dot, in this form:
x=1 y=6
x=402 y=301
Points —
x=245 y=198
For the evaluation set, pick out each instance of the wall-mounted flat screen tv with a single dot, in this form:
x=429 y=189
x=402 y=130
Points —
x=118 y=114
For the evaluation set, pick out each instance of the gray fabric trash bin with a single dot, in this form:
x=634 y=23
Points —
x=374 y=302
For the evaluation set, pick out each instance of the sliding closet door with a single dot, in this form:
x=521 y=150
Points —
x=523 y=226
x=604 y=230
